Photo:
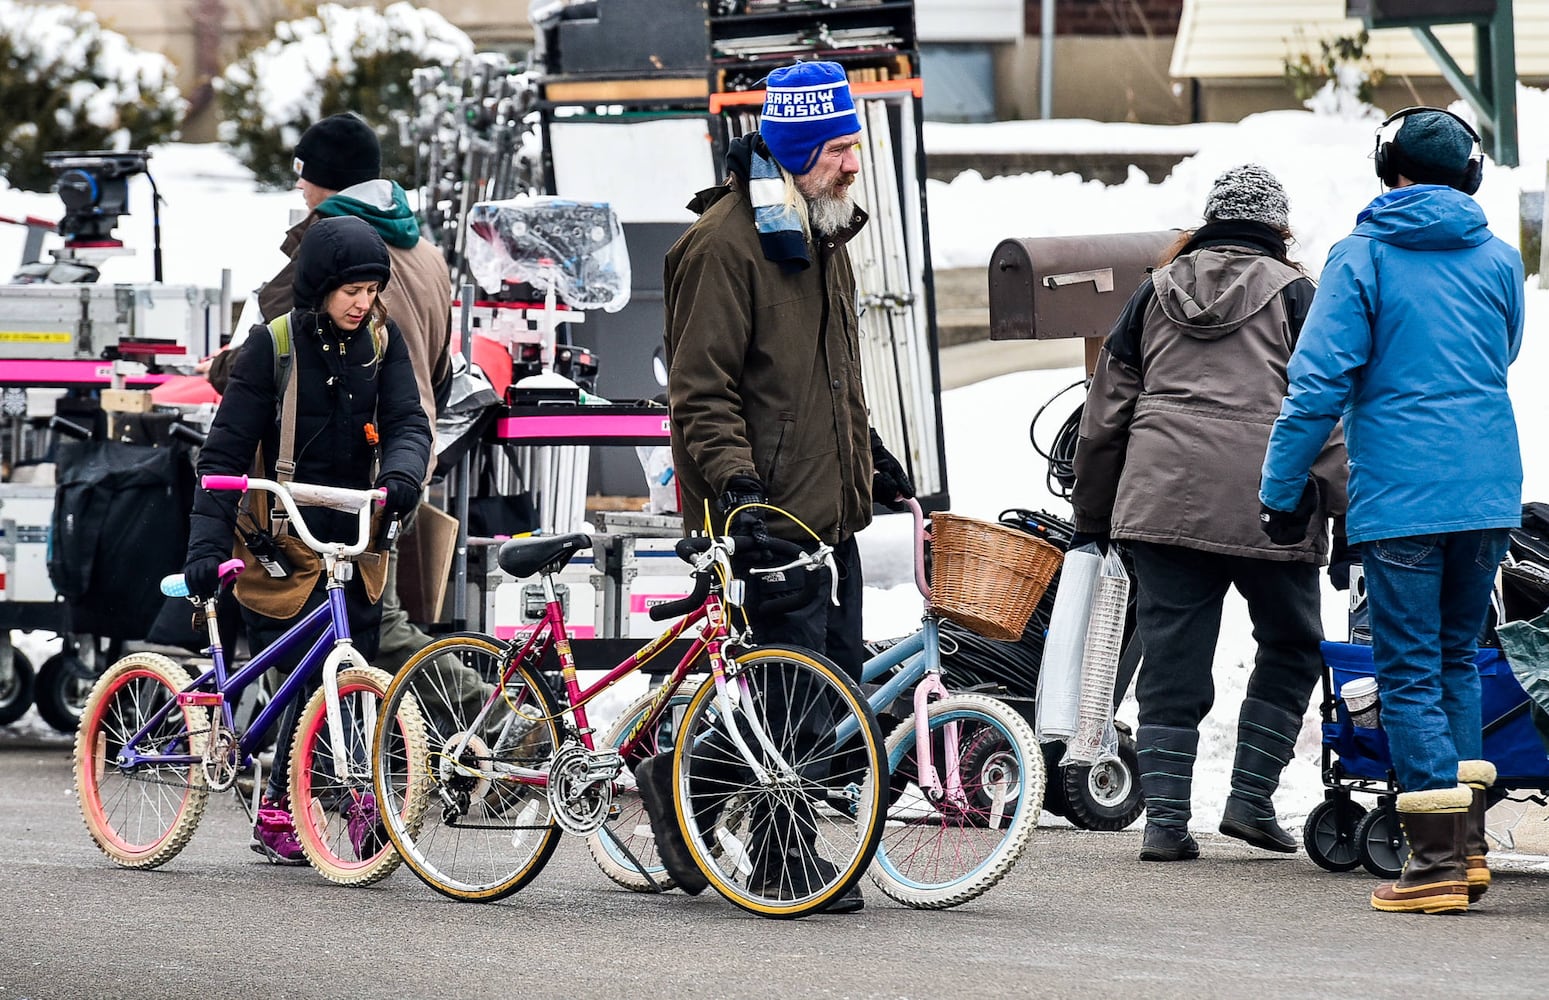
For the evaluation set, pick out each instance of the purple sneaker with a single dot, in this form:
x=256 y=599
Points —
x=274 y=835
x=365 y=827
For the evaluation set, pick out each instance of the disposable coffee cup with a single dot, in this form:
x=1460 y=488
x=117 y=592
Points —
x=1360 y=698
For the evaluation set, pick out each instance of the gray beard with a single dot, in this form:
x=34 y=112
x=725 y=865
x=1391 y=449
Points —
x=828 y=215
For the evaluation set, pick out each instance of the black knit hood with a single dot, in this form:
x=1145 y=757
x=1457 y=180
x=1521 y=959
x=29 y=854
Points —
x=335 y=252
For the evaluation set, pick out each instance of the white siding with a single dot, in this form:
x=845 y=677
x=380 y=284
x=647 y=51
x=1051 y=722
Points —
x=968 y=20
x=1251 y=38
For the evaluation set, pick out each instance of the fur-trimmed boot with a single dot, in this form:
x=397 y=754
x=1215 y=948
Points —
x=1167 y=781
x=1478 y=775
x=1266 y=740
x=1434 y=879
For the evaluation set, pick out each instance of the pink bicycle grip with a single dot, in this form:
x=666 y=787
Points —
x=920 y=537
x=224 y=483
x=229 y=569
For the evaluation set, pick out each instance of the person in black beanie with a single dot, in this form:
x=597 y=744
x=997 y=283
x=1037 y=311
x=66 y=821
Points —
x=338 y=152
x=357 y=410
x=1177 y=418
x=338 y=162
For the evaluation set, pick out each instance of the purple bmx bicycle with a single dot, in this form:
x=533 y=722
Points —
x=153 y=743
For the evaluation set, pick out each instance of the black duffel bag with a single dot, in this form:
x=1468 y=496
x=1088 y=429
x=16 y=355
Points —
x=120 y=524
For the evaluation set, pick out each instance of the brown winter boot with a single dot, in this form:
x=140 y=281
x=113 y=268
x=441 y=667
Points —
x=1478 y=775
x=1434 y=879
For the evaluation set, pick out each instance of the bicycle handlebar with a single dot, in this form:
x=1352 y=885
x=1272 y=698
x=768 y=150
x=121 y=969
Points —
x=920 y=580
x=683 y=605
x=174 y=585
x=689 y=549
x=293 y=495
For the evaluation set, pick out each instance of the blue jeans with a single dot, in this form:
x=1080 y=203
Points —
x=1428 y=598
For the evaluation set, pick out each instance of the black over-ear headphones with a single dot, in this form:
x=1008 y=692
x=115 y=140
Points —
x=1390 y=162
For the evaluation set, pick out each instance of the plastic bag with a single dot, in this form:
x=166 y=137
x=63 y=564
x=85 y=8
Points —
x=659 y=479
x=1059 y=678
x=1096 y=739
x=575 y=247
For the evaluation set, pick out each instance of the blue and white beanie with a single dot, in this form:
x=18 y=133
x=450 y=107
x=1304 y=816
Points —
x=805 y=106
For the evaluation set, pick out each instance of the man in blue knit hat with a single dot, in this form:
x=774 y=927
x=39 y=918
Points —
x=767 y=407
x=1418 y=315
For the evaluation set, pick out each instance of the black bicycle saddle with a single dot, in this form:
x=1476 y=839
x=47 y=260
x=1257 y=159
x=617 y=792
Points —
x=522 y=557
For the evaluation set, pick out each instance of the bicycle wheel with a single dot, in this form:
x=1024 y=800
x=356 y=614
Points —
x=140 y=816
x=336 y=816
x=940 y=854
x=630 y=829
x=485 y=832
x=790 y=840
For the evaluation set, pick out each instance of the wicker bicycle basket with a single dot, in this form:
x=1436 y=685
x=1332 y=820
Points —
x=988 y=577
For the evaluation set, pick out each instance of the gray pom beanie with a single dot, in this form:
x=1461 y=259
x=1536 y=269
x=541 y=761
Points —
x=1251 y=194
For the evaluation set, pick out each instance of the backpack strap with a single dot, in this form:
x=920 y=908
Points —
x=379 y=344
x=285 y=462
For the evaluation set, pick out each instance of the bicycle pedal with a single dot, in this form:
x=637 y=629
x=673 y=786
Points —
x=207 y=699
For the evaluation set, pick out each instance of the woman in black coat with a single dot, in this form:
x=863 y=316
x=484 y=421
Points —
x=359 y=424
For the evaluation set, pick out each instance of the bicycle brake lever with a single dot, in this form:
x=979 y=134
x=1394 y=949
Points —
x=833 y=573
x=823 y=555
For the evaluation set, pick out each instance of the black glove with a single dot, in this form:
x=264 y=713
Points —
x=403 y=494
x=1080 y=538
x=890 y=485
x=1289 y=527
x=742 y=490
x=1341 y=557
x=202 y=576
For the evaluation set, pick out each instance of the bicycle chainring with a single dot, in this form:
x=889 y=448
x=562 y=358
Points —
x=220 y=760
x=581 y=787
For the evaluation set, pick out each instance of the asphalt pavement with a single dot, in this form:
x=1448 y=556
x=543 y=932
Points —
x=1079 y=917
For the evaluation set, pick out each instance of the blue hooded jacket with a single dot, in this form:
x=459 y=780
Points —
x=1417 y=315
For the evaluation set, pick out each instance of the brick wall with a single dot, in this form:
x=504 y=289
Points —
x=1107 y=17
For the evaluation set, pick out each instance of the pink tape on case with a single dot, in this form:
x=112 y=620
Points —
x=505 y=632
x=640 y=604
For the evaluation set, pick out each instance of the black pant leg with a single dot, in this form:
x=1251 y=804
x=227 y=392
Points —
x=263 y=631
x=1287 y=612
x=836 y=631
x=1178 y=615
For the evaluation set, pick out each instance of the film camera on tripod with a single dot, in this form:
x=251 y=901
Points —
x=94 y=187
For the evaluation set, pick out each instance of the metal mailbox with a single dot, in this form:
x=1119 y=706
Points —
x=1051 y=287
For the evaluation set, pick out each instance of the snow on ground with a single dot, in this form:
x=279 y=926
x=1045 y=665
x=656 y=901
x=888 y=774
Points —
x=213 y=219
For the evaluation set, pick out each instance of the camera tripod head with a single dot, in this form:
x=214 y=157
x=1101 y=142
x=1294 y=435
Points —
x=95 y=190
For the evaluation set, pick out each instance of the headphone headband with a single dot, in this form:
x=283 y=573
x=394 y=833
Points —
x=1403 y=113
x=1390 y=161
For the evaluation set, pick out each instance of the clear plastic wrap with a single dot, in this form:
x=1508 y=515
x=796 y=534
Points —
x=575 y=247
x=1059 y=677
x=1096 y=739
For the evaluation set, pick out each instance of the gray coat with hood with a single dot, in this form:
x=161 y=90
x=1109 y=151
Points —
x=1178 y=415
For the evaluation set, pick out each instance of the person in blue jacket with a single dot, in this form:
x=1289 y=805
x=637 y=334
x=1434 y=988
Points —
x=1417 y=316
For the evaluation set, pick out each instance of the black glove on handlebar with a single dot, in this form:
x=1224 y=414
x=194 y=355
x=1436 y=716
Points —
x=403 y=494
x=742 y=490
x=1289 y=527
x=202 y=576
x=890 y=485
